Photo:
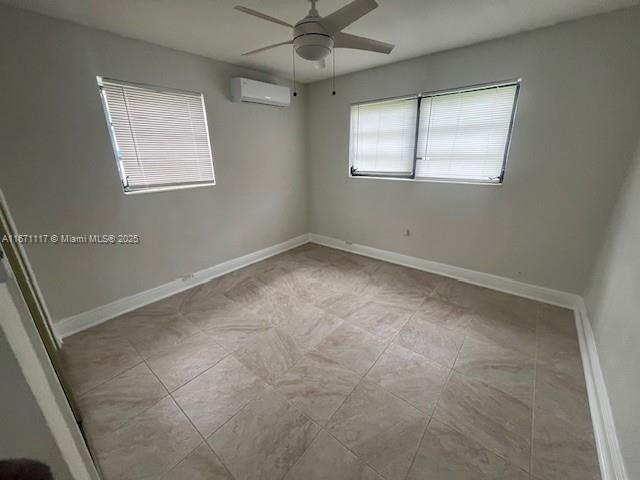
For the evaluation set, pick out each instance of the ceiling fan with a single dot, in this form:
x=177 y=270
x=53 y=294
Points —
x=315 y=37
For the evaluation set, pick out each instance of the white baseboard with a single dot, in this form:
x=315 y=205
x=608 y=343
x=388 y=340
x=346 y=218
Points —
x=90 y=318
x=494 y=282
x=609 y=454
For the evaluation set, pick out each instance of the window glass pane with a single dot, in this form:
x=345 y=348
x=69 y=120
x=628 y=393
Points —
x=160 y=137
x=464 y=136
x=383 y=136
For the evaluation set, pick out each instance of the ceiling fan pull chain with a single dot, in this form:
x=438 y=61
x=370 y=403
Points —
x=293 y=56
x=333 y=81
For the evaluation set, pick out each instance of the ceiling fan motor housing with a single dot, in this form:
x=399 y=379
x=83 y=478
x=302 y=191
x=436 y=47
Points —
x=311 y=40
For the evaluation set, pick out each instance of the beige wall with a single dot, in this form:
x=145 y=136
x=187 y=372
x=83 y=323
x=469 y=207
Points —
x=613 y=305
x=58 y=172
x=573 y=138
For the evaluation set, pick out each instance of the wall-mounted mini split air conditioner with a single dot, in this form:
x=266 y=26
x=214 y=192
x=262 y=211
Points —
x=252 y=91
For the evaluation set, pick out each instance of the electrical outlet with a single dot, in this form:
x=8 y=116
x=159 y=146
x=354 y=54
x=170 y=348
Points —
x=348 y=242
x=186 y=277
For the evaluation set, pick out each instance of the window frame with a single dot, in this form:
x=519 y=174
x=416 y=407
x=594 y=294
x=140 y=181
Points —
x=114 y=141
x=516 y=82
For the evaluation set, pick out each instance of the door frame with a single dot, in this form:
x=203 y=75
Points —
x=27 y=327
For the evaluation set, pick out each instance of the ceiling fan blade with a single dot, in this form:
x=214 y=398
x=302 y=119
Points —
x=320 y=64
x=346 y=15
x=263 y=16
x=269 y=47
x=345 y=40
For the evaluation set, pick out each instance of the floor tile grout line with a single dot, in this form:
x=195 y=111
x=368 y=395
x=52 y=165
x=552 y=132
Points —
x=433 y=412
x=186 y=417
x=467 y=336
x=492 y=387
x=500 y=455
x=125 y=340
x=204 y=440
x=415 y=455
x=165 y=396
x=92 y=389
x=144 y=360
x=315 y=438
x=533 y=400
x=446 y=384
x=479 y=309
x=426 y=428
x=143 y=411
x=266 y=387
x=171 y=392
x=360 y=459
x=497 y=454
x=385 y=390
x=369 y=369
x=424 y=357
x=220 y=460
x=422 y=412
x=451 y=372
x=362 y=376
x=275 y=389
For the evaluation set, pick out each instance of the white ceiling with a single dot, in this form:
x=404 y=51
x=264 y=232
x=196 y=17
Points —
x=212 y=28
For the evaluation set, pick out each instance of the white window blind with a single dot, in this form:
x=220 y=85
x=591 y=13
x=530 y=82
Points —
x=464 y=135
x=160 y=136
x=383 y=137
x=458 y=135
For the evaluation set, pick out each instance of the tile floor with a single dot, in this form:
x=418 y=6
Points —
x=319 y=364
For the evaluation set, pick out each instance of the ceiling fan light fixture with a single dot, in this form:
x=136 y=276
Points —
x=313 y=52
x=313 y=47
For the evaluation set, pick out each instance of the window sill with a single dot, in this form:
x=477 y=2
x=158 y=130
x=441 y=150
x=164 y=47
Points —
x=168 y=188
x=428 y=180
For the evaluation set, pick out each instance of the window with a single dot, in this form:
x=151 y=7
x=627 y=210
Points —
x=460 y=135
x=160 y=136
x=383 y=136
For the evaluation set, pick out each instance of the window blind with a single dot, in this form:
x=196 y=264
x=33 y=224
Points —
x=383 y=137
x=464 y=136
x=160 y=137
